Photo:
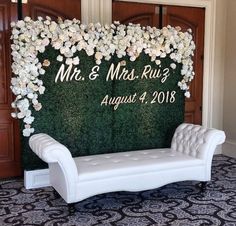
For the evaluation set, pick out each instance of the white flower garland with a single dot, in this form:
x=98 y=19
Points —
x=31 y=37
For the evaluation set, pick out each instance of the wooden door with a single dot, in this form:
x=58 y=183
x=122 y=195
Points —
x=137 y=13
x=9 y=130
x=10 y=155
x=185 y=17
x=53 y=8
x=194 y=18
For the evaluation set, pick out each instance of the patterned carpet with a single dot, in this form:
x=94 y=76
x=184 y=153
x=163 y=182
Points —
x=175 y=204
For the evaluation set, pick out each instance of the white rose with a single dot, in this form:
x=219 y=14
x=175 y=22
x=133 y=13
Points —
x=86 y=37
x=35 y=101
x=158 y=62
x=30 y=95
x=98 y=56
x=41 y=90
x=76 y=60
x=27 y=132
x=187 y=94
x=13 y=115
x=173 y=65
x=98 y=62
x=41 y=71
x=59 y=58
x=38 y=106
x=69 y=61
x=20 y=115
x=28 y=120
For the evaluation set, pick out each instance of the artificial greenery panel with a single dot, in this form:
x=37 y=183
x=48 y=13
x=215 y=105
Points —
x=72 y=112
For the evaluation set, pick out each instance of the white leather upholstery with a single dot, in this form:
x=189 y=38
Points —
x=130 y=163
x=196 y=140
x=62 y=168
x=189 y=158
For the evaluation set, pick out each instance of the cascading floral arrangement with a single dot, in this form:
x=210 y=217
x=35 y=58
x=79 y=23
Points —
x=69 y=36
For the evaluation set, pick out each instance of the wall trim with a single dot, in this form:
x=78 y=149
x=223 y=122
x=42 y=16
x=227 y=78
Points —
x=90 y=11
x=36 y=178
x=105 y=11
x=229 y=148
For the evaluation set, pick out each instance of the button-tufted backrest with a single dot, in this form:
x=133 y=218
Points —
x=196 y=141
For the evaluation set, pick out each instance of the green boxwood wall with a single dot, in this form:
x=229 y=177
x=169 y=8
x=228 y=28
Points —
x=72 y=113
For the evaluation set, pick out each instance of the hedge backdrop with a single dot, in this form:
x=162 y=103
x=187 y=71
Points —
x=73 y=115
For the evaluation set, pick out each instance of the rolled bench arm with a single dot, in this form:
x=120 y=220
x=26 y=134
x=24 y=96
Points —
x=48 y=149
x=197 y=141
x=62 y=167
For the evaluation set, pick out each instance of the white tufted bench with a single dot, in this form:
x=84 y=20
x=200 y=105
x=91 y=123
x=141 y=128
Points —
x=75 y=179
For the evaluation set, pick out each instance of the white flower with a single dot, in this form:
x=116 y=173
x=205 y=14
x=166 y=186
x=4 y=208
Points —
x=13 y=104
x=89 y=51
x=76 y=60
x=187 y=94
x=132 y=58
x=173 y=65
x=38 y=106
x=20 y=115
x=57 y=44
x=98 y=56
x=13 y=115
x=41 y=89
x=20 y=24
x=69 y=61
x=28 y=131
x=13 y=24
x=86 y=37
x=158 y=62
x=60 y=58
x=35 y=101
x=41 y=71
x=30 y=95
x=73 y=49
x=28 y=120
x=98 y=62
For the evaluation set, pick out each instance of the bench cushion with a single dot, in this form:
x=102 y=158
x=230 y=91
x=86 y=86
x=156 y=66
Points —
x=97 y=167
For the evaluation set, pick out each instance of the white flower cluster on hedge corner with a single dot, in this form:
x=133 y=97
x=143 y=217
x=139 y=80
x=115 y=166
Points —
x=69 y=36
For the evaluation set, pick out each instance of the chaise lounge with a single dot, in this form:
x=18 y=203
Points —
x=75 y=179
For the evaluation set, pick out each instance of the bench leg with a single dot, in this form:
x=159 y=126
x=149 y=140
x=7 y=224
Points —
x=71 y=208
x=203 y=186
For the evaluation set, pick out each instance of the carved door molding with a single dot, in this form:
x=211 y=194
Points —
x=10 y=162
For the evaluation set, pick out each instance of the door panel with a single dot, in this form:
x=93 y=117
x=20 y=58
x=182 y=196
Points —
x=139 y=13
x=189 y=17
x=3 y=56
x=9 y=130
x=185 y=17
x=53 y=8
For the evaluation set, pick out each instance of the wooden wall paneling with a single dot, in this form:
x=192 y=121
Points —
x=53 y=8
x=138 y=13
x=10 y=161
x=194 y=18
